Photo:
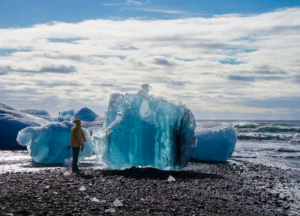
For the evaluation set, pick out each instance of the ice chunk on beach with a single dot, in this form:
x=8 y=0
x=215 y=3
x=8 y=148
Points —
x=171 y=179
x=143 y=130
x=66 y=115
x=85 y=114
x=82 y=188
x=215 y=141
x=11 y=122
x=111 y=210
x=48 y=144
x=117 y=203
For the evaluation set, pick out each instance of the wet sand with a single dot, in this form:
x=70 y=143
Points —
x=235 y=188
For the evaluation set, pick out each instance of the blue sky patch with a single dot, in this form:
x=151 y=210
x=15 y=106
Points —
x=20 y=13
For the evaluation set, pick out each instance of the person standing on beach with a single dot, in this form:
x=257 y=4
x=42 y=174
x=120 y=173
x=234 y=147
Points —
x=76 y=142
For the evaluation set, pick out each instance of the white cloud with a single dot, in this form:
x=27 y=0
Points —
x=219 y=64
x=134 y=2
x=158 y=10
x=129 y=2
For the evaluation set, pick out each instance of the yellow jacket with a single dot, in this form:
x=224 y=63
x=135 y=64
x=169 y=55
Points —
x=77 y=135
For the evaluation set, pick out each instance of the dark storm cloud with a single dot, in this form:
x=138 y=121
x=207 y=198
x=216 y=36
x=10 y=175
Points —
x=60 y=56
x=242 y=78
x=58 y=69
x=173 y=82
x=273 y=103
x=167 y=80
x=65 y=40
x=127 y=89
x=254 y=78
x=269 y=72
x=107 y=85
x=5 y=69
x=63 y=69
x=56 y=84
x=296 y=79
x=163 y=61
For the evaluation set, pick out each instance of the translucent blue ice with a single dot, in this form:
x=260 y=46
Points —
x=11 y=122
x=66 y=115
x=85 y=114
x=143 y=130
x=215 y=141
x=48 y=144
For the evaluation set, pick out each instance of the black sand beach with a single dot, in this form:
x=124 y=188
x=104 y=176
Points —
x=200 y=189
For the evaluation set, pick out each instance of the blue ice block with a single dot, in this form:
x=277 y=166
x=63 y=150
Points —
x=11 y=122
x=143 y=130
x=215 y=141
x=48 y=144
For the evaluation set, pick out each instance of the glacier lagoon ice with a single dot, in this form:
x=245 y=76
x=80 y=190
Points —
x=66 y=115
x=215 y=141
x=11 y=122
x=143 y=130
x=89 y=119
x=39 y=113
x=48 y=143
x=85 y=114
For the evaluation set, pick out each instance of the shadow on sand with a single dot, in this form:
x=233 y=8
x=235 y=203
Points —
x=151 y=173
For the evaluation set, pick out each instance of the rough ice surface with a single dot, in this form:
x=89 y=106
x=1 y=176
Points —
x=48 y=144
x=39 y=113
x=215 y=141
x=143 y=130
x=85 y=114
x=11 y=122
x=66 y=115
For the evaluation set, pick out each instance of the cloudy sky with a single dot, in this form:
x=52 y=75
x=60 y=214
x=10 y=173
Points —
x=233 y=60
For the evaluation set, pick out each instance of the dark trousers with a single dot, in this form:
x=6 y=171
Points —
x=75 y=151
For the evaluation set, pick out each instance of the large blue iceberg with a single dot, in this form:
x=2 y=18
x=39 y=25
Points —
x=215 y=141
x=48 y=144
x=11 y=122
x=143 y=130
x=85 y=114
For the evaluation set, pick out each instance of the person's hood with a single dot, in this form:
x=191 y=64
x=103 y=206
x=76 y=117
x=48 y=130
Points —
x=77 y=122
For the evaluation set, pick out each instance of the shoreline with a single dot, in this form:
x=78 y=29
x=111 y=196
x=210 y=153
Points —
x=236 y=188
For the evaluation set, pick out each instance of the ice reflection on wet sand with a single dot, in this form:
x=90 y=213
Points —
x=20 y=161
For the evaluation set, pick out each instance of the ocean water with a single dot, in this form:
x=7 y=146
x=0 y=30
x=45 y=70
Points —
x=273 y=143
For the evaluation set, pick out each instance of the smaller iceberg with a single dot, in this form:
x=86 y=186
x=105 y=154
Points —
x=143 y=130
x=48 y=143
x=66 y=115
x=215 y=141
x=85 y=114
x=89 y=119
